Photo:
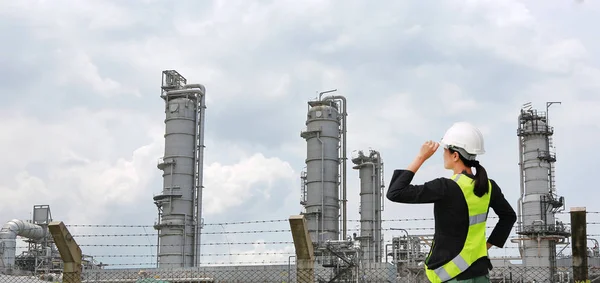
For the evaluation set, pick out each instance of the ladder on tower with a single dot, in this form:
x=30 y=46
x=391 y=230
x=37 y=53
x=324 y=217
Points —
x=552 y=182
x=552 y=168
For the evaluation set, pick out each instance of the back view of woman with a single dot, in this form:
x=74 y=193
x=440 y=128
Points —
x=459 y=251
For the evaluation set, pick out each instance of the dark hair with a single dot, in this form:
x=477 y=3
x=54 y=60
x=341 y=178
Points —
x=481 y=177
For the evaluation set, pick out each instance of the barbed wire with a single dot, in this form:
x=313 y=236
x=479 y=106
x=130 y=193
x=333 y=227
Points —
x=209 y=263
x=253 y=232
x=286 y=220
x=178 y=245
x=218 y=254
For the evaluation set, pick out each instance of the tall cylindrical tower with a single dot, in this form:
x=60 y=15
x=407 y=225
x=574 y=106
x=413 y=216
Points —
x=538 y=203
x=180 y=204
x=371 y=204
x=324 y=134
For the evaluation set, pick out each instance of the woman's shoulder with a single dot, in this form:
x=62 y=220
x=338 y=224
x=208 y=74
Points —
x=441 y=182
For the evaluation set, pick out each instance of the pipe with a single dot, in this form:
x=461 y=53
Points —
x=594 y=241
x=382 y=180
x=8 y=238
x=374 y=218
x=200 y=185
x=386 y=252
x=191 y=88
x=184 y=232
x=197 y=130
x=290 y=267
x=171 y=187
x=322 y=187
x=158 y=245
x=382 y=201
x=522 y=186
x=344 y=132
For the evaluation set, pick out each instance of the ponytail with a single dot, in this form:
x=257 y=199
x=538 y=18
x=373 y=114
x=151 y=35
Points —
x=481 y=177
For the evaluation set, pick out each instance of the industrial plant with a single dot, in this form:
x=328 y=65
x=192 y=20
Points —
x=180 y=204
x=339 y=256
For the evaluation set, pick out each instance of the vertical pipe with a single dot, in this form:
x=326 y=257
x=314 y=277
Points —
x=157 y=247
x=195 y=192
x=382 y=201
x=579 y=246
x=200 y=185
x=344 y=150
x=373 y=217
x=522 y=187
x=322 y=187
x=184 y=232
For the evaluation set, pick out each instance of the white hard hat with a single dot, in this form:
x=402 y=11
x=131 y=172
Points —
x=463 y=135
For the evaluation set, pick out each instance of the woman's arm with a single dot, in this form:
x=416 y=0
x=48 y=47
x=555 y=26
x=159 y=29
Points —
x=400 y=189
x=507 y=216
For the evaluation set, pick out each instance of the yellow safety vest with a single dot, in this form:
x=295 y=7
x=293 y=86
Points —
x=475 y=245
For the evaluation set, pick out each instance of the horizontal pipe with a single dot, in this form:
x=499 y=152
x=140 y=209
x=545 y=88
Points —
x=8 y=238
x=187 y=90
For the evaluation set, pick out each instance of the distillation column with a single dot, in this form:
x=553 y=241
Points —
x=371 y=204
x=324 y=135
x=538 y=227
x=180 y=204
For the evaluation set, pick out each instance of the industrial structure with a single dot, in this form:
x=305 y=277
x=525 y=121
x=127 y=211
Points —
x=371 y=204
x=35 y=232
x=339 y=257
x=325 y=177
x=180 y=204
x=41 y=255
x=538 y=203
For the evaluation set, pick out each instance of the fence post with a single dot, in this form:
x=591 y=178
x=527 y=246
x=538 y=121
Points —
x=69 y=251
x=579 y=245
x=305 y=258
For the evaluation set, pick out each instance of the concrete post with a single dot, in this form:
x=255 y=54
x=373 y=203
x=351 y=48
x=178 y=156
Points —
x=69 y=251
x=579 y=244
x=305 y=258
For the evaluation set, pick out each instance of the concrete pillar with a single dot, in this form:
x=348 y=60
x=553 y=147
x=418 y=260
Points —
x=305 y=258
x=579 y=244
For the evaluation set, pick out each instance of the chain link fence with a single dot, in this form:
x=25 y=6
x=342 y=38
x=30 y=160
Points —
x=288 y=274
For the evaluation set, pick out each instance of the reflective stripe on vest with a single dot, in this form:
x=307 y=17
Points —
x=476 y=243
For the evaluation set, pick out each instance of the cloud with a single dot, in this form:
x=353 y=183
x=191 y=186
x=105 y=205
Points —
x=229 y=186
x=75 y=159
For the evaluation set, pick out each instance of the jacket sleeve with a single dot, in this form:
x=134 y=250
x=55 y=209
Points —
x=506 y=214
x=400 y=189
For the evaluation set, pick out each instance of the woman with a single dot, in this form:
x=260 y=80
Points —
x=461 y=204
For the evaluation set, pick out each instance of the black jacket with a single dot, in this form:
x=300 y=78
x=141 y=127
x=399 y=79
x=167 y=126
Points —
x=451 y=217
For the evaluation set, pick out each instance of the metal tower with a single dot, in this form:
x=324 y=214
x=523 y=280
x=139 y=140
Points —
x=538 y=203
x=180 y=204
x=325 y=136
x=371 y=204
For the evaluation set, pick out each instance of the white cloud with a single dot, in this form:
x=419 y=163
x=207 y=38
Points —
x=228 y=186
x=78 y=68
x=75 y=164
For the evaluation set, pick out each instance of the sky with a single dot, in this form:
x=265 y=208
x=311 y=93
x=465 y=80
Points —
x=83 y=122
